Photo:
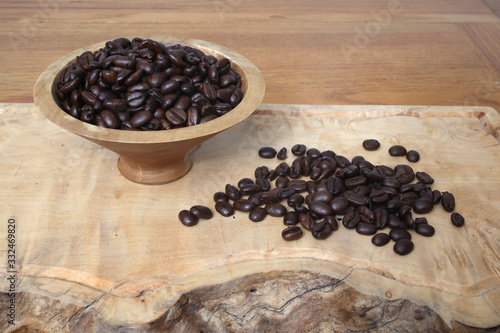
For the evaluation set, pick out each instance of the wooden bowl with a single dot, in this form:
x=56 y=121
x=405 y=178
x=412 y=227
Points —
x=153 y=157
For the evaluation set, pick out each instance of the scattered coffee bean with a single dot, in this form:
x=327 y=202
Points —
x=397 y=234
x=224 y=208
x=423 y=205
x=322 y=230
x=381 y=239
x=267 y=152
x=243 y=205
x=424 y=229
x=457 y=219
x=397 y=150
x=403 y=246
x=187 y=218
x=201 y=212
x=292 y=233
x=448 y=201
x=371 y=144
x=257 y=214
x=413 y=156
x=282 y=154
x=366 y=228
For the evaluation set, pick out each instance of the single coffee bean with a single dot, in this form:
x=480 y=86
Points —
x=421 y=220
x=366 y=214
x=299 y=150
x=292 y=233
x=248 y=189
x=244 y=181
x=322 y=230
x=282 y=182
x=267 y=152
x=381 y=218
x=404 y=174
x=270 y=197
x=423 y=205
x=339 y=204
x=220 y=197
x=141 y=118
x=381 y=239
x=424 y=229
x=323 y=196
x=291 y=218
x=397 y=150
x=457 y=219
x=397 y=234
x=275 y=209
x=424 y=177
x=436 y=197
x=307 y=221
x=232 y=192
x=282 y=154
x=224 y=208
x=187 y=218
x=371 y=144
x=366 y=228
x=261 y=172
x=282 y=169
x=313 y=153
x=356 y=199
x=295 y=199
x=257 y=214
x=403 y=246
x=413 y=156
x=243 y=205
x=332 y=221
x=110 y=119
x=286 y=193
x=448 y=201
x=176 y=116
x=201 y=212
x=351 y=220
x=299 y=185
x=320 y=208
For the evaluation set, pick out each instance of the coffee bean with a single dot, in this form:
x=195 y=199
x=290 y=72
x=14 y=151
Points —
x=232 y=192
x=110 y=119
x=332 y=221
x=339 y=204
x=257 y=214
x=201 y=212
x=424 y=177
x=298 y=150
x=220 y=197
x=244 y=181
x=307 y=221
x=448 y=201
x=413 y=156
x=424 y=229
x=457 y=219
x=381 y=218
x=187 y=218
x=291 y=218
x=351 y=220
x=282 y=154
x=403 y=246
x=140 y=118
x=275 y=209
x=381 y=239
x=267 y=152
x=371 y=144
x=404 y=174
x=366 y=229
x=322 y=230
x=423 y=205
x=224 y=208
x=243 y=205
x=397 y=150
x=356 y=199
x=292 y=233
x=397 y=234
x=320 y=208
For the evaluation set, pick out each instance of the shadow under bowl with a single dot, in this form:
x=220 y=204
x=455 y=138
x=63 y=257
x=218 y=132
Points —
x=153 y=157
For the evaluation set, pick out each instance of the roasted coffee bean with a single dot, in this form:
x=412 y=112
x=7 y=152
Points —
x=257 y=214
x=323 y=196
x=404 y=174
x=421 y=220
x=457 y=219
x=248 y=189
x=224 y=208
x=176 y=116
x=366 y=229
x=187 y=218
x=394 y=222
x=299 y=185
x=282 y=154
x=110 y=119
x=413 y=156
x=291 y=218
x=371 y=144
x=322 y=230
x=403 y=246
x=262 y=172
x=424 y=177
x=379 y=196
x=339 y=204
x=334 y=185
x=282 y=169
x=267 y=152
x=286 y=193
x=355 y=181
x=366 y=214
x=381 y=239
x=275 y=209
x=244 y=181
x=332 y=221
x=292 y=233
x=232 y=192
x=307 y=221
x=384 y=170
x=281 y=182
x=243 y=205
x=356 y=199
x=320 y=208
x=140 y=118
x=448 y=201
x=397 y=234
x=220 y=197
x=373 y=175
x=351 y=220
x=436 y=197
x=397 y=150
x=201 y=212
x=264 y=183
x=424 y=229
x=380 y=218
x=423 y=205
x=299 y=150
x=270 y=197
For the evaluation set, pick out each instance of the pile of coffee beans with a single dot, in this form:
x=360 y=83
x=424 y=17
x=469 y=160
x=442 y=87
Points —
x=321 y=190
x=144 y=85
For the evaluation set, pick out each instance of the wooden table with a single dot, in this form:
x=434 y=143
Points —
x=366 y=52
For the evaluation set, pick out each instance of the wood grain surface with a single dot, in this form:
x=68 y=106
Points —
x=88 y=237
x=401 y=52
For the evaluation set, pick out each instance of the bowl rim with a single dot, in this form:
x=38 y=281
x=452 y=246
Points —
x=253 y=87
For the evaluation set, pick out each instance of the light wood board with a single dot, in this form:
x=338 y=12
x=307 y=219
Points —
x=86 y=235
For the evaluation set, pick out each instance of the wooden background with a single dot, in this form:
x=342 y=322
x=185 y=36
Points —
x=399 y=52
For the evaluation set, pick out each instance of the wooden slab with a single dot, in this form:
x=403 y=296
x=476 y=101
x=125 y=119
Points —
x=87 y=236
